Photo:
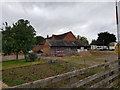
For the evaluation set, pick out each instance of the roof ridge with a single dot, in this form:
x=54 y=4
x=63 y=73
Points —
x=61 y=34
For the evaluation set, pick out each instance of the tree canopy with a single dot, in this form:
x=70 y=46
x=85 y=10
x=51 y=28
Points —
x=104 y=38
x=7 y=39
x=83 y=39
x=19 y=37
x=38 y=39
x=94 y=42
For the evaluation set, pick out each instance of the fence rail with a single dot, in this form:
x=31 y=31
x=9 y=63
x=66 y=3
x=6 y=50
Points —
x=91 y=78
x=68 y=75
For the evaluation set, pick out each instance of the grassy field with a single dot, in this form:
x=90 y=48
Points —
x=80 y=62
x=15 y=73
x=20 y=63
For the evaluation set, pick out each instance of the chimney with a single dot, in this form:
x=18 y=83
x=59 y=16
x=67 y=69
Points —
x=47 y=36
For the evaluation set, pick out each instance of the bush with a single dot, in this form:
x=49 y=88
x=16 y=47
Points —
x=32 y=56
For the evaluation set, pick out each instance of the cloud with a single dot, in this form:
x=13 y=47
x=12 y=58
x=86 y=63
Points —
x=82 y=18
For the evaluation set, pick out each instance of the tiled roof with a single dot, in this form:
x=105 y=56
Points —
x=59 y=37
x=69 y=43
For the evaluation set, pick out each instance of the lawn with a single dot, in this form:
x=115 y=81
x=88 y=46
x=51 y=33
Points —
x=20 y=63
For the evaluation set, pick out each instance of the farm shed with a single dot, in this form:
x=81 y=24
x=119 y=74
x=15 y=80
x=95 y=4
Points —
x=66 y=46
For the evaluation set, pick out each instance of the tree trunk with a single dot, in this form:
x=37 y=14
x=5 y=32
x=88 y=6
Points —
x=17 y=56
x=25 y=56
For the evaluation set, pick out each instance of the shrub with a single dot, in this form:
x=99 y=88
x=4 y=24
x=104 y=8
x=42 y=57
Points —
x=32 y=56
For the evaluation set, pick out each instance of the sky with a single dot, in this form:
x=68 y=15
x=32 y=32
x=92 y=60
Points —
x=82 y=18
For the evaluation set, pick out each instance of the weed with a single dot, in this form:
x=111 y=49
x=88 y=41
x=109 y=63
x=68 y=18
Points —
x=20 y=82
x=7 y=80
x=81 y=87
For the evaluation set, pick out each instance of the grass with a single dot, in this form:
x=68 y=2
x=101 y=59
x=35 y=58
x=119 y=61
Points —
x=84 y=62
x=116 y=85
x=87 y=58
x=20 y=63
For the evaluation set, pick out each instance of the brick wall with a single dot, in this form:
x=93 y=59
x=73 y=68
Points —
x=46 y=49
x=70 y=36
x=37 y=48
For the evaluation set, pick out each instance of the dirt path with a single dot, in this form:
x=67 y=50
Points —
x=3 y=85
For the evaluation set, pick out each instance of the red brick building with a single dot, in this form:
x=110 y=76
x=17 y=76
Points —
x=66 y=43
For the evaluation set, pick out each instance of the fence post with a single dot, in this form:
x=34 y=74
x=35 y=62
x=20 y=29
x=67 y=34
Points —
x=106 y=69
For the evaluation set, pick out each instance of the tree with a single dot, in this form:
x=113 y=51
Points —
x=38 y=39
x=83 y=39
x=94 y=42
x=104 y=38
x=23 y=35
x=19 y=37
x=78 y=37
x=7 y=40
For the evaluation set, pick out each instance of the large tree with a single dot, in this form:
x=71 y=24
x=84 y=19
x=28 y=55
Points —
x=83 y=39
x=19 y=37
x=23 y=34
x=104 y=38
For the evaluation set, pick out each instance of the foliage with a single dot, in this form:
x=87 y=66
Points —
x=19 y=37
x=83 y=39
x=32 y=56
x=23 y=35
x=117 y=49
x=111 y=44
x=38 y=39
x=104 y=38
x=7 y=40
x=94 y=42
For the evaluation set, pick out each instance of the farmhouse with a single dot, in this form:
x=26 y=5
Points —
x=65 y=43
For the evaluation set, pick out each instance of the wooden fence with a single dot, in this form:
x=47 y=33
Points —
x=105 y=77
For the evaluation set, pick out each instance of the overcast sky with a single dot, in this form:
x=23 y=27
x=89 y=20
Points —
x=82 y=18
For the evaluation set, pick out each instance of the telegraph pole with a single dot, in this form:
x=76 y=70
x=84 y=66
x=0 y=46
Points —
x=118 y=32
